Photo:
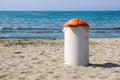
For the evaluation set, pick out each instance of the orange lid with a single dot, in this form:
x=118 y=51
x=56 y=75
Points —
x=74 y=22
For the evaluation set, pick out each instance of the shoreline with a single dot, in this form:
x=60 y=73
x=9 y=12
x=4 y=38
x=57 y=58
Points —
x=44 y=60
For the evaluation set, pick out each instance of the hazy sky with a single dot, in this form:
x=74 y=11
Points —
x=59 y=5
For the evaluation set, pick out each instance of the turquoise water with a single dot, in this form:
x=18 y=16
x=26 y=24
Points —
x=49 y=24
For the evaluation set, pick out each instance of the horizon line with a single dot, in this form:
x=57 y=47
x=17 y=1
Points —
x=59 y=10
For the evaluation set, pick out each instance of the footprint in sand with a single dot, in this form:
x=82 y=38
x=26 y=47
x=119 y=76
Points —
x=3 y=76
x=17 y=52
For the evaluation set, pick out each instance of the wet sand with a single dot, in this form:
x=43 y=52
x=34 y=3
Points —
x=44 y=60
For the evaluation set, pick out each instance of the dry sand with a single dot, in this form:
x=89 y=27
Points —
x=44 y=60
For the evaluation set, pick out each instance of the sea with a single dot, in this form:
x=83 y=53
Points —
x=24 y=25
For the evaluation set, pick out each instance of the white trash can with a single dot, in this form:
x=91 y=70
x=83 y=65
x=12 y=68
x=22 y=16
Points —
x=76 y=42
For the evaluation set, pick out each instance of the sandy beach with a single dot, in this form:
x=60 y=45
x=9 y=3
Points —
x=44 y=60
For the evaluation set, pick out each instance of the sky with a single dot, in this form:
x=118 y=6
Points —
x=59 y=5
